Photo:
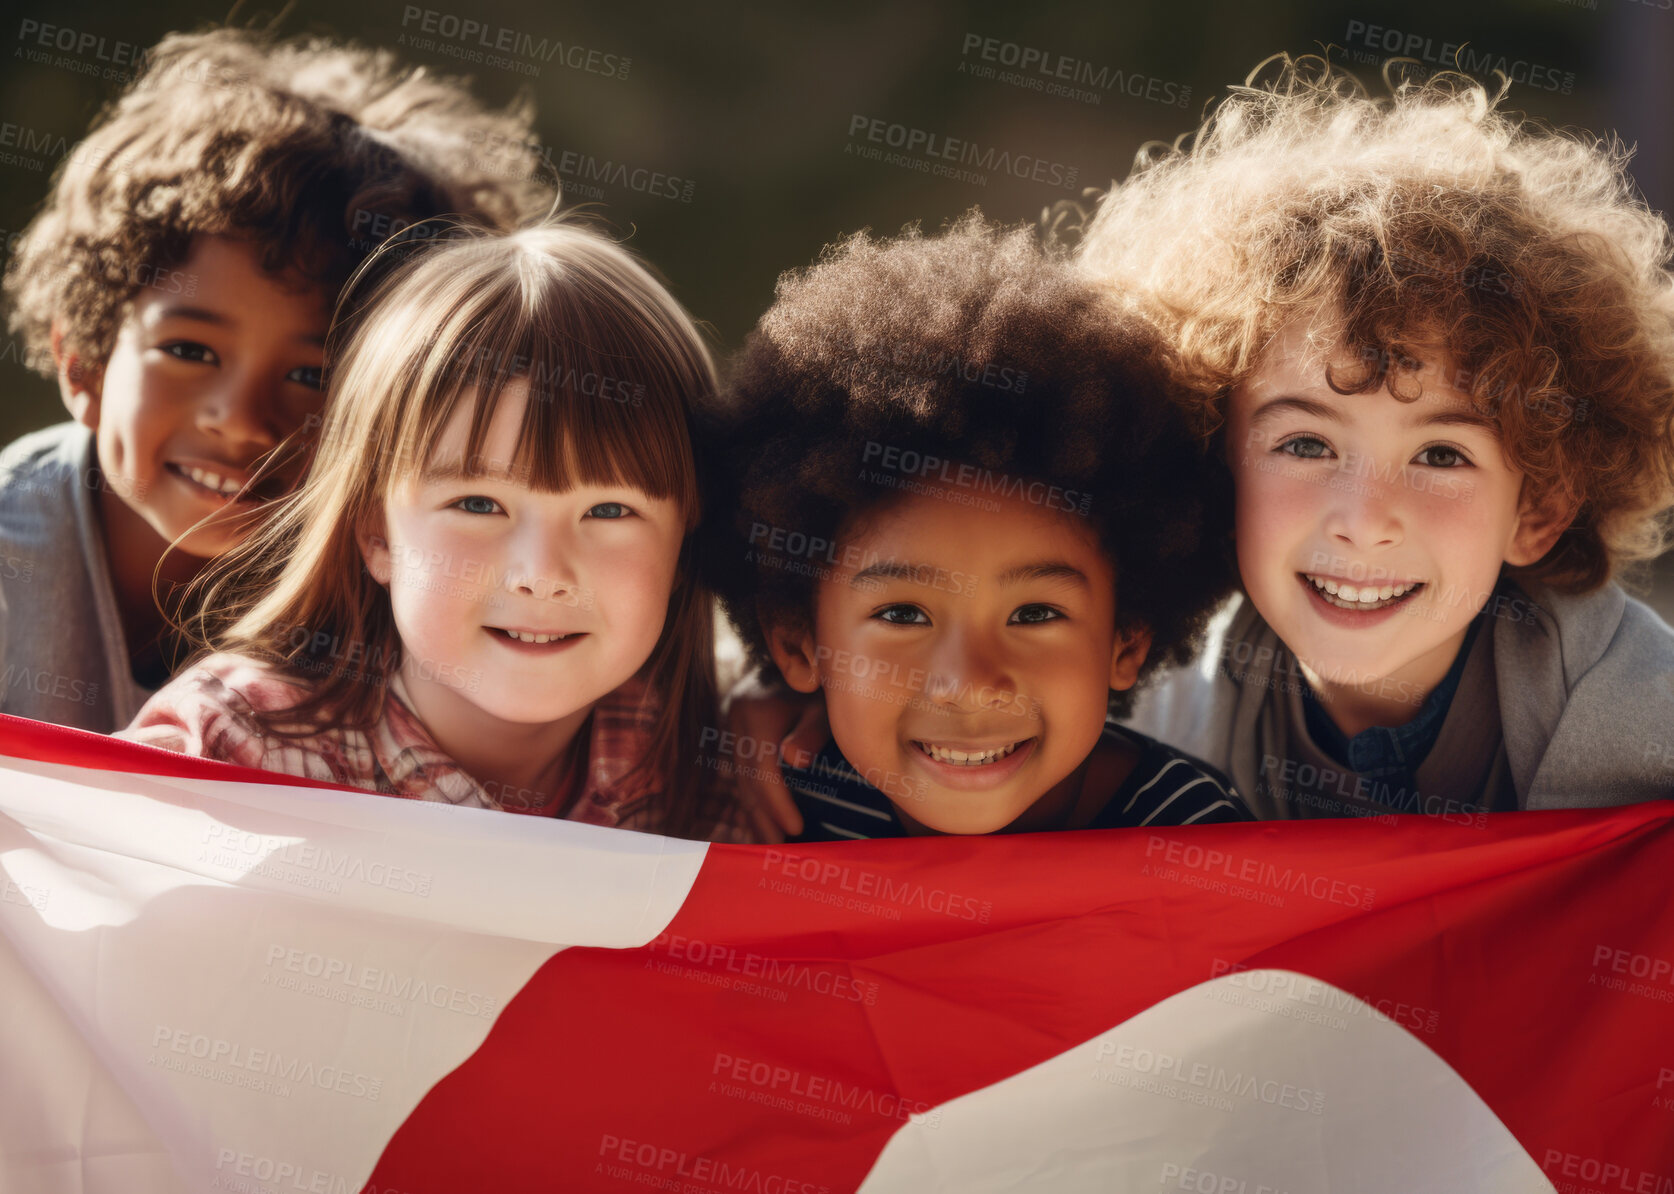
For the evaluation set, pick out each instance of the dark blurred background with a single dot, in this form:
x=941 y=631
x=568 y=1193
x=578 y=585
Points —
x=750 y=130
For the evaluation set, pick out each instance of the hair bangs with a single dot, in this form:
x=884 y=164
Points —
x=606 y=387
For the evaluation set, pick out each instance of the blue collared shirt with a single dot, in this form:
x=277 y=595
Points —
x=1380 y=752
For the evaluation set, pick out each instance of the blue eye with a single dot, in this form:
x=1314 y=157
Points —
x=477 y=504
x=1313 y=442
x=610 y=510
x=903 y=615
x=312 y=376
x=1456 y=458
x=1031 y=615
x=191 y=350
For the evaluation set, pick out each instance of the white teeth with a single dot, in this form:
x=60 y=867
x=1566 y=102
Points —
x=1348 y=596
x=523 y=636
x=943 y=754
x=214 y=481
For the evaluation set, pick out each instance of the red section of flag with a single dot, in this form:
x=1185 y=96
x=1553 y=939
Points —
x=21 y=738
x=869 y=980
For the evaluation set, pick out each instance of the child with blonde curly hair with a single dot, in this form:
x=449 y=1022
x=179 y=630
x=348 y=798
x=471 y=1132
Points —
x=1435 y=343
x=178 y=284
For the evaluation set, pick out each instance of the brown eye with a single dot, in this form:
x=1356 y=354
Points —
x=1450 y=457
x=190 y=350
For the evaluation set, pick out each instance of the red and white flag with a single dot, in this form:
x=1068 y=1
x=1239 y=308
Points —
x=215 y=980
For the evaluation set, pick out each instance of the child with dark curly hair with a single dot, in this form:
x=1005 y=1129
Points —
x=1435 y=344
x=178 y=282
x=952 y=493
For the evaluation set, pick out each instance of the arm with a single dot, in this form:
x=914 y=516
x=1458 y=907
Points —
x=199 y=713
x=778 y=724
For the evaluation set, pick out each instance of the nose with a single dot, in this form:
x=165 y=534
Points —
x=540 y=565
x=968 y=673
x=242 y=411
x=1366 y=512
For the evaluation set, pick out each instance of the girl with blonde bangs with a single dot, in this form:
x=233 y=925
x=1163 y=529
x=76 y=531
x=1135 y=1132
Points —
x=485 y=591
x=1434 y=343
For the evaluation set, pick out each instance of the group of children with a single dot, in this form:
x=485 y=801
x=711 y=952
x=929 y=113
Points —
x=1297 y=487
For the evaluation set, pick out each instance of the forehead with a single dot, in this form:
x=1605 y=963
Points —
x=989 y=526
x=1298 y=359
x=449 y=450
x=222 y=277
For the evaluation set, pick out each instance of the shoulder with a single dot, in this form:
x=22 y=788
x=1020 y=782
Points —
x=44 y=462
x=240 y=681
x=1604 y=641
x=40 y=476
x=1167 y=787
x=1586 y=690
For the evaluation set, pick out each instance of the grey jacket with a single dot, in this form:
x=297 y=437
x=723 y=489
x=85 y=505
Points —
x=63 y=657
x=1586 y=693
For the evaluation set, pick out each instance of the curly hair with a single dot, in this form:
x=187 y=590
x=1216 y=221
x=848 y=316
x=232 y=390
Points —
x=1430 y=223
x=312 y=151
x=975 y=347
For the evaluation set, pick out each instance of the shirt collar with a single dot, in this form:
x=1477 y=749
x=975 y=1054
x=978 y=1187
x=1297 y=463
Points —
x=1381 y=751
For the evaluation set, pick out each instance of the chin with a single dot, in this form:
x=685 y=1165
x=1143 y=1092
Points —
x=205 y=545
x=970 y=825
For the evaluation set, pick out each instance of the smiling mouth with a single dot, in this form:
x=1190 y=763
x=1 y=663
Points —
x=968 y=758
x=533 y=637
x=1347 y=595
x=227 y=488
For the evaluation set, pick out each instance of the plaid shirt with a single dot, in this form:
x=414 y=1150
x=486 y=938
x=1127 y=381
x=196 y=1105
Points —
x=221 y=708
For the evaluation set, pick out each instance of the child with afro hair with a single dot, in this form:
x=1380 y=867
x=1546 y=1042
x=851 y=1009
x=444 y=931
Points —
x=1435 y=344
x=178 y=283
x=952 y=492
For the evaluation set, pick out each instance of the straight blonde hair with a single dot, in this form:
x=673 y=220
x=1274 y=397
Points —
x=449 y=314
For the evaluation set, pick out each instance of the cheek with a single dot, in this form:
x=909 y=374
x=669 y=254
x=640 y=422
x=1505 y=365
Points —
x=429 y=612
x=1270 y=504
x=631 y=587
x=865 y=724
x=1264 y=518
x=1466 y=533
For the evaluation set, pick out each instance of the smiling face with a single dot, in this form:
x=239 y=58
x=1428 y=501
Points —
x=1371 y=530
x=966 y=657
x=212 y=367
x=516 y=606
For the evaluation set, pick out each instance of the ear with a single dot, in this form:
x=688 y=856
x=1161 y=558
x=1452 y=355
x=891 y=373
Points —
x=1133 y=644
x=374 y=550
x=79 y=385
x=1539 y=523
x=793 y=653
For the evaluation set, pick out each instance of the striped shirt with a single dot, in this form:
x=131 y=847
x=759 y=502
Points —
x=1165 y=787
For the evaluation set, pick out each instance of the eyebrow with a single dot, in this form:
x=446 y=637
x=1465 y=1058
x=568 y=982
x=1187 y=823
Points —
x=1458 y=417
x=216 y=319
x=200 y=314
x=1306 y=406
x=1041 y=570
x=446 y=473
